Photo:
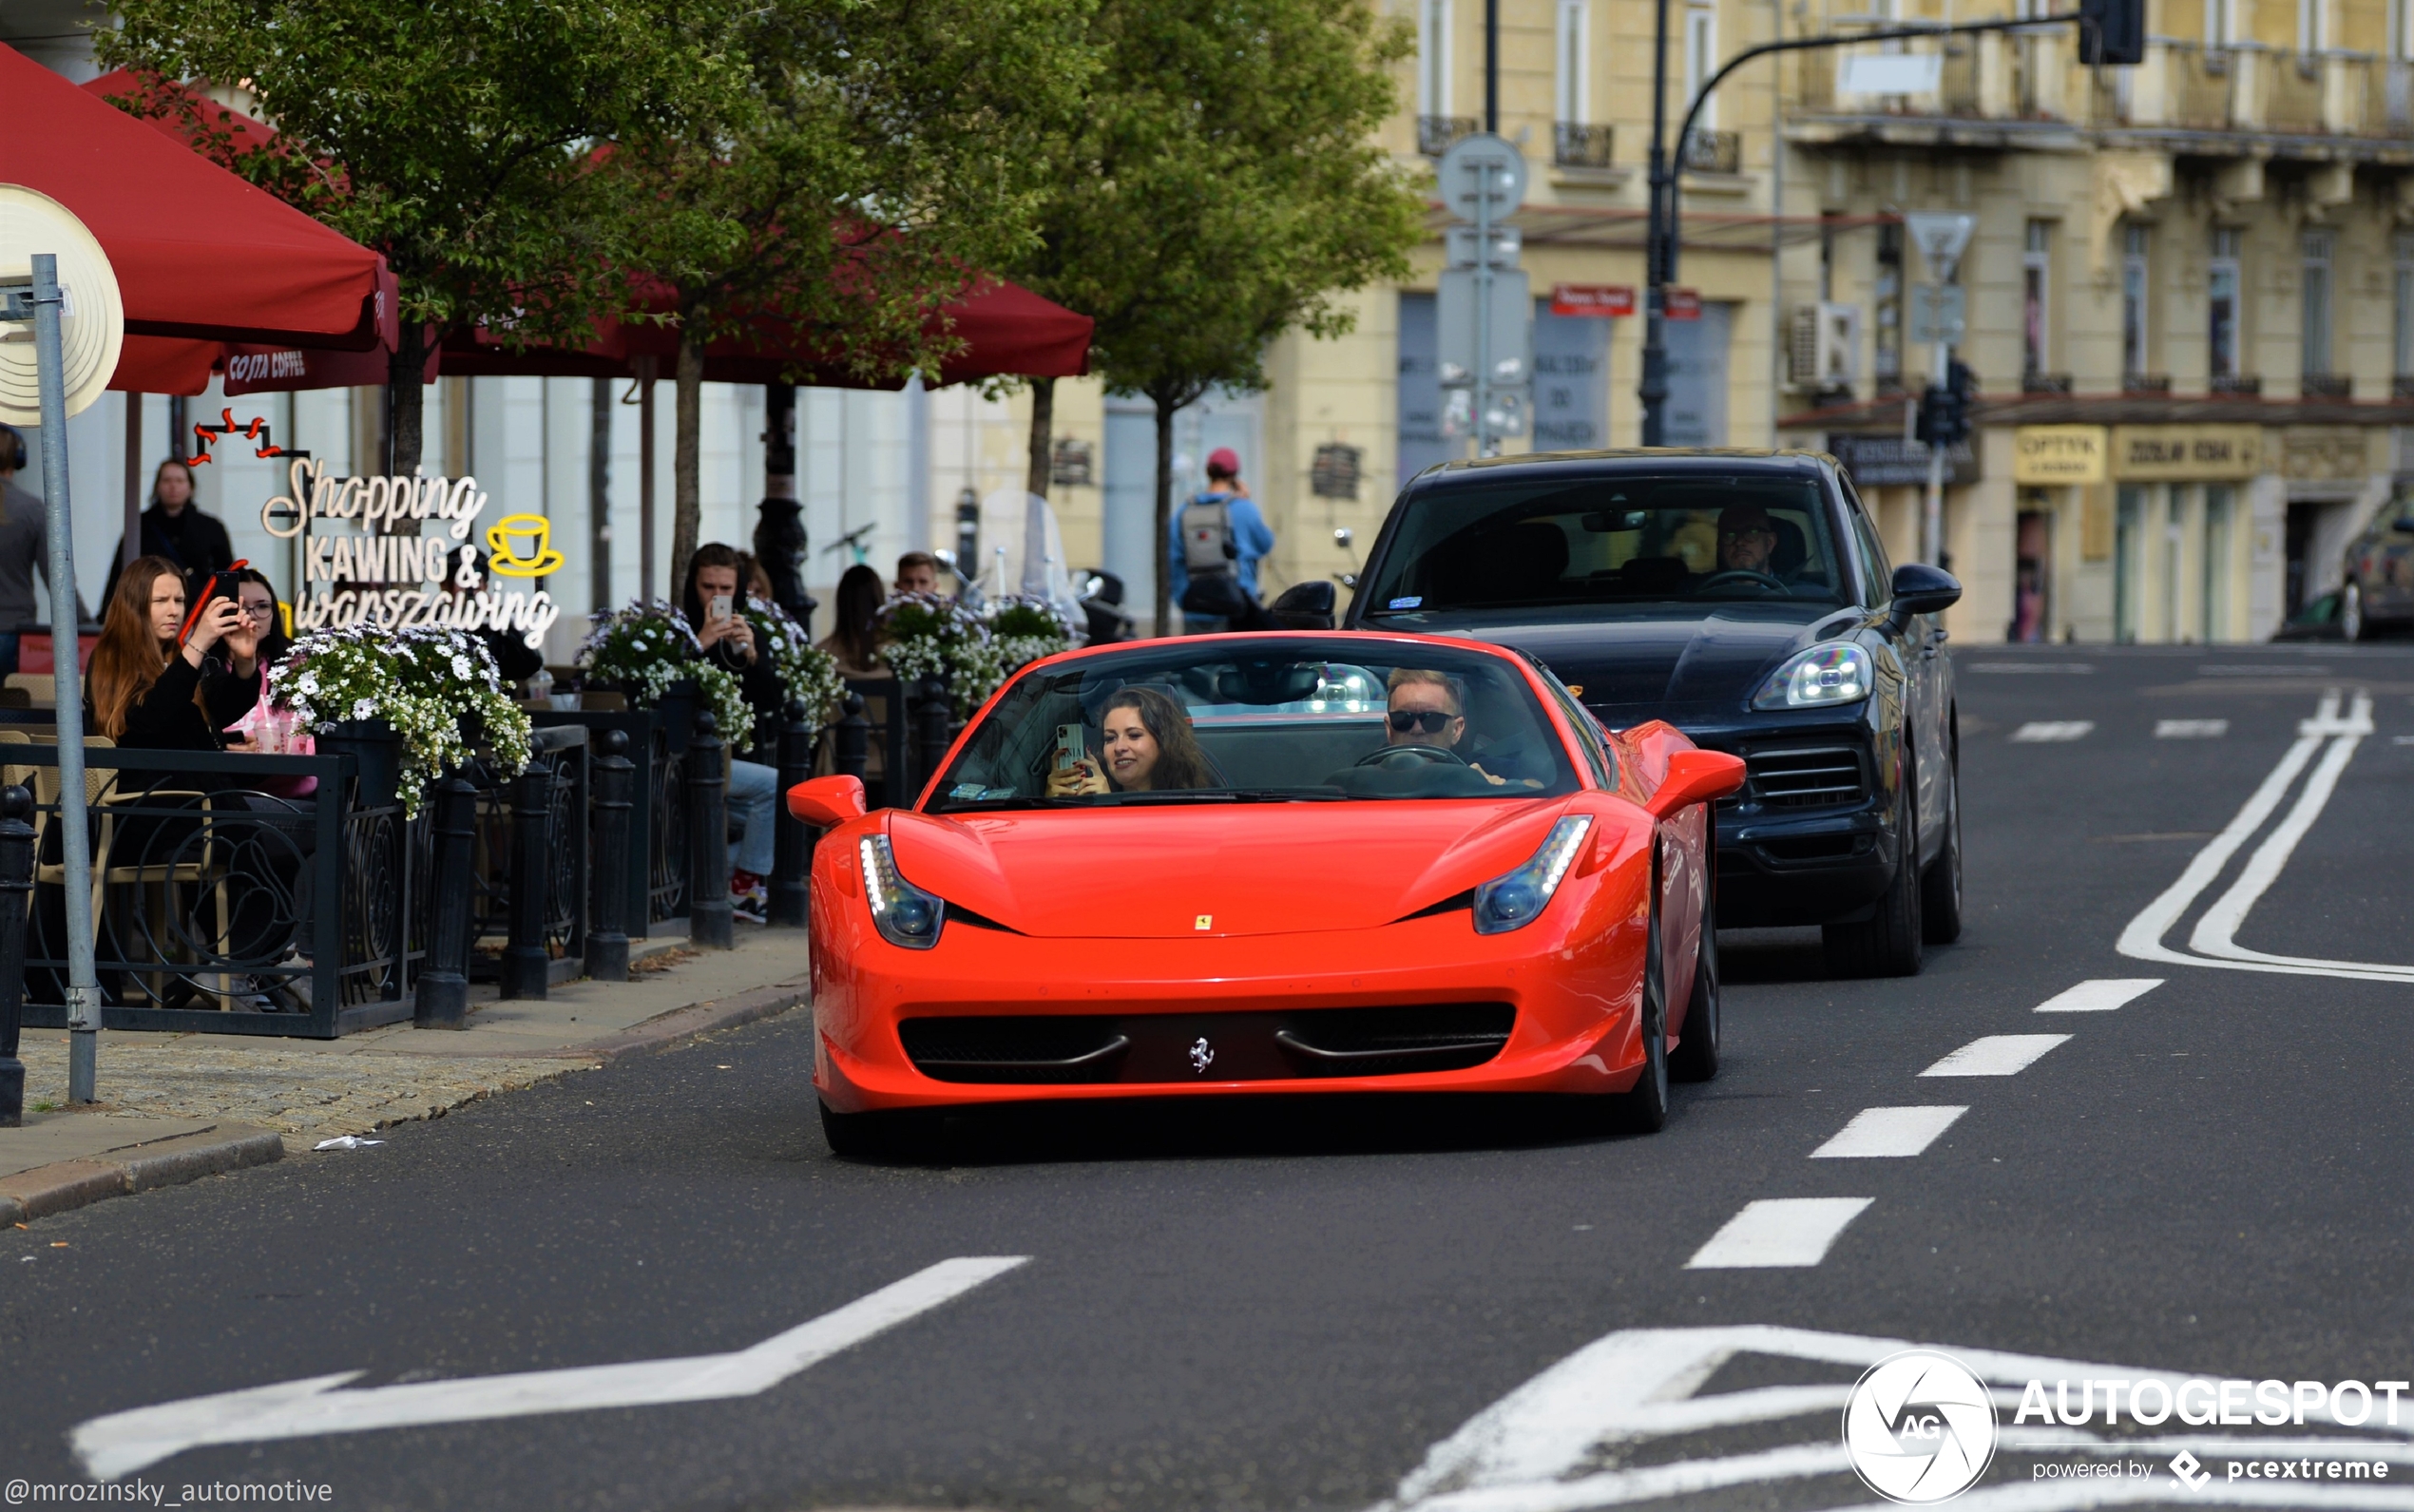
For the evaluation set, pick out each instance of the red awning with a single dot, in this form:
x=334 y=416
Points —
x=198 y=252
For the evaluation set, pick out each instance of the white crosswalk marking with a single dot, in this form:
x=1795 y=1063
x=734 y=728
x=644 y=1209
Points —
x=1881 y=1134
x=2190 y=728
x=1778 y=1233
x=2099 y=996
x=2039 y=732
x=1996 y=1055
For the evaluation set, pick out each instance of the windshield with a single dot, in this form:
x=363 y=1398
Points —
x=1260 y=721
x=1633 y=537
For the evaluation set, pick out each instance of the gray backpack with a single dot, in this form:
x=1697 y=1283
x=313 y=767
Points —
x=1208 y=546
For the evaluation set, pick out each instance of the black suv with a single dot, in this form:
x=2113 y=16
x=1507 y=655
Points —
x=1744 y=598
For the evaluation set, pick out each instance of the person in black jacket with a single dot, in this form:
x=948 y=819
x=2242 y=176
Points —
x=176 y=529
x=714 y=593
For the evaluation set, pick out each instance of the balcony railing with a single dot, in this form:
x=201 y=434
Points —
x=2241 y=383
x=2327 y=386
x=2044 y=383
x=2180 y=86
x=2402 y=387
x=1713 y=152
x=1434 y=134
x=2145 y=383
x=1580 y=144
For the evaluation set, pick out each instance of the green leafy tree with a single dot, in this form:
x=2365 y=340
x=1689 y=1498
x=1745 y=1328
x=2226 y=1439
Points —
x=1221 y=188
x=453 y=136
x=881 y=153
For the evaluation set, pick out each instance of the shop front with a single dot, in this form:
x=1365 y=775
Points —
x=2135 y=532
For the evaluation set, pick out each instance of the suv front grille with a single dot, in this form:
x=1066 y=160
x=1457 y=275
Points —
x=1808 y=777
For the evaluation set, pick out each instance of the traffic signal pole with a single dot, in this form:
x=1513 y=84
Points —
x=1661 y=238
x=1940 y=366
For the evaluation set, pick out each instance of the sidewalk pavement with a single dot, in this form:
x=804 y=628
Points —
x=178 y=1106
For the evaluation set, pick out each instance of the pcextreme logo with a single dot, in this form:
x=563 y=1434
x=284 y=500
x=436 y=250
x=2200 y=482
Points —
x=1920 y=1427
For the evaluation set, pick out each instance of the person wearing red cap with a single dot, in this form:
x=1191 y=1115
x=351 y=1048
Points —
x=1217 y=541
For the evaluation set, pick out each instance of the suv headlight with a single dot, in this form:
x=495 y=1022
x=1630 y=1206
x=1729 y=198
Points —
x=904 y=913
x=1517 y=898
x=1838 y=672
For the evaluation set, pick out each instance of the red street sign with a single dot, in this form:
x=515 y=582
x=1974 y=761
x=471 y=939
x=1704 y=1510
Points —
x=1682 y=304
x=1605 y=301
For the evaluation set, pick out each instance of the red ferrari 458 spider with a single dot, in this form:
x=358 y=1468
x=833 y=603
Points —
x=1336 y=862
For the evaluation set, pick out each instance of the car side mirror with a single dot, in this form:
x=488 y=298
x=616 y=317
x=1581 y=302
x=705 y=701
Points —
x=1923 y=589
x=1694 y=777
x=826 y=802
x=1305 y=605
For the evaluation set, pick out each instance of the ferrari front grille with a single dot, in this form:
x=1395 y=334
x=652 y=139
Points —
x=1246 y=1046
x=1806 y=778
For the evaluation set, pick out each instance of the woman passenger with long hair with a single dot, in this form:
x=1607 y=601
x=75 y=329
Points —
x=1148 y=748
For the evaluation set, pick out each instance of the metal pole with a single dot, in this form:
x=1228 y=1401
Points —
x=645 y=479
x=1654 y=390
x=84 y=995
x=790 y=897
x=1940 y=372
x=1492 y=66
x=130 y=545
x=443 y=998
x=1484 y=444
x=607 y=942
x=708 y=909
x=17 y=884
x=526 y=967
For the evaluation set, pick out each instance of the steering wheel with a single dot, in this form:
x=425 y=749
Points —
x=1773 y=585
x=1405 y=758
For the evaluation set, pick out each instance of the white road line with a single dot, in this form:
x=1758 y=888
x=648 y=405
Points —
x=2039 y=732
x=2190 y=728
x=1568 y=1439
x=1996 y=1055
x=2101 y=995
x=122 y=1443
x=1884 y=1134
x=2142 y=939
x=1777 y=1233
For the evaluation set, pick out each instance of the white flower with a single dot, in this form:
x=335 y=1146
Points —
x=309 y=682
x=363 y=708
x=461 y=666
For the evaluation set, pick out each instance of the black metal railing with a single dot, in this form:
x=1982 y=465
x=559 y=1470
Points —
x=228 y=900
x=1708 y=151
x=1581 y=145
x=1434 y=134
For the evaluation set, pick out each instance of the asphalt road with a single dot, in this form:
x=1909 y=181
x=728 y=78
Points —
x=1262 y=1306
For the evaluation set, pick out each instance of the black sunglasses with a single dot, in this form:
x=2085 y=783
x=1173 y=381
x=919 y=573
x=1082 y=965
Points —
x=1429 y=721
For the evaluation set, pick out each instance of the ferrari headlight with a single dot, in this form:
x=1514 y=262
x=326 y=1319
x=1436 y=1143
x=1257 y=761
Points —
x=1837 y=672
x=1517 y=899
x=904 y=913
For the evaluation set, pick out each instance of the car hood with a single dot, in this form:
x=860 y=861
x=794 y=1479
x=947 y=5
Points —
x=1245 y=869
x=1671 y=665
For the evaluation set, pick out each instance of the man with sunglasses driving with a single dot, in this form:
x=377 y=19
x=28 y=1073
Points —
x=1428 y=708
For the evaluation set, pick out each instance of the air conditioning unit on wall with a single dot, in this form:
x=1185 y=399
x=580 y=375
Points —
x=1825 y=353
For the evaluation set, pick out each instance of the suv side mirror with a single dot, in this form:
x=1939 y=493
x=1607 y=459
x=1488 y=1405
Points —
x=1923 y=589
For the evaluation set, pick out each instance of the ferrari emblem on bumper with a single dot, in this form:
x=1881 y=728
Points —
x=1202 y=1055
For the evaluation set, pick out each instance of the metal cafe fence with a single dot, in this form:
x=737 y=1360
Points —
x=241 y=893
x=226 y=899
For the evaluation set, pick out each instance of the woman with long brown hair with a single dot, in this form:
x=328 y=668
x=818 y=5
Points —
x=141 y=691
x=1149 y=748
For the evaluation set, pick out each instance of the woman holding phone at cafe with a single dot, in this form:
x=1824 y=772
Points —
x=711 y=604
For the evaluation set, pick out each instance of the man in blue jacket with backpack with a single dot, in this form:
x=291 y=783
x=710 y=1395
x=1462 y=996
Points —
x=1217 y=539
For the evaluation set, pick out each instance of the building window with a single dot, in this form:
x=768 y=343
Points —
x=2318 y=248
x=2313 y=29
x=2132 y=303
x=1701 y=61
x=2129 y=510
x=2214 y=597
x=2036 y=278
x=1886 y=298
x=1433 y=58
x=1574 y=102
x=2221 y=305
x=2403 y=278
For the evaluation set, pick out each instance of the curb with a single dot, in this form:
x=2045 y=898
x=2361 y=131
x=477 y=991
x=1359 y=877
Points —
x=70 y=1184
x=664 y=1030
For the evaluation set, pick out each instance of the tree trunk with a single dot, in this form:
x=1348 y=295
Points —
x=1166 y=625
x=404 y=395
x=687 y=506
x=1042 y=423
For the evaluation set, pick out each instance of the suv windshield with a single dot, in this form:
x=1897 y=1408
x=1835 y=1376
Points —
x=1631 y=538
x=1260 y=721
